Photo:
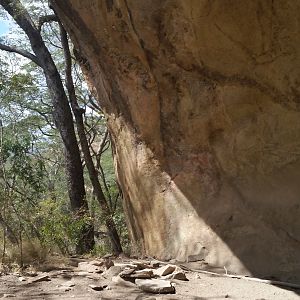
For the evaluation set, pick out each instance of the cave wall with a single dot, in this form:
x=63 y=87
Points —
x=203 y=104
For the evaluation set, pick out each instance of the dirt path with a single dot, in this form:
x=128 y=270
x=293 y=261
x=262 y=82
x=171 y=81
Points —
x=71 y=282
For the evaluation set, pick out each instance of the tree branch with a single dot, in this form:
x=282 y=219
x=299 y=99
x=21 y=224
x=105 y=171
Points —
x=46 y=19
x=22 y=52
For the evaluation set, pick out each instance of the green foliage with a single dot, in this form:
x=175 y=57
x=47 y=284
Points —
x=58 y=227
x=119 y=218
x=33 y=187
x=26 y=170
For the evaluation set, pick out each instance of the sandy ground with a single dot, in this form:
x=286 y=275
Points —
x=66 y=282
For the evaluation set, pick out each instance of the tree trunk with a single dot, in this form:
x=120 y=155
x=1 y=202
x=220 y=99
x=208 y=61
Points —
x=78 y=113
x=202 y=101
x=8 y=231
x=62 y=117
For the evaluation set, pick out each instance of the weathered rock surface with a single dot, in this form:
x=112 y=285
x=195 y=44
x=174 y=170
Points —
x=202 y=101
x=39 y=279
x=156 y=286
x=112 y=271
x=165 y=270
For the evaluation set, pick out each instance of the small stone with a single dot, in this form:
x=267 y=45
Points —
x=83 y=273
x=155 y=263
x=179 y=276
x=97 y=263
x=96 y=287
x=156 y=286
x=140 y=265
x=108 y=263
x=40 y=278
x=126 y=273
x=68 y=284
x=8 y=296
x=22 y=278
x=165 y=270
x=94 y=276
x=66 y=276
x=127 y=266
x=120 y=281
x=146 y=273
x=108 y=255
x=30 y=274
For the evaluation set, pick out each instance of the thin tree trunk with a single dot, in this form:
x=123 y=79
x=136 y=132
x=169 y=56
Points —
x=8 y=231
x=78 y=113
x=62 y=117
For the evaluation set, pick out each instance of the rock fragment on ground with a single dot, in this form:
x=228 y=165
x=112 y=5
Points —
x=165 y=270
x=176 y=275
x=39 y=279
x=125 y=273
x=88 y=267
x=156 y=286
x=140 y=265
x=145 y=274
x=21 y=278
x=179 y=276
x=112 y=271
x=97 y=263
x=68 y=284
x=122 y=282
x=155 y=263
x=108 y=263
x=97 y=287
x=83 y=273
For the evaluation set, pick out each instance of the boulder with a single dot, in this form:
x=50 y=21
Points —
x=156 y=286
x=202 y=103
x=112 y=271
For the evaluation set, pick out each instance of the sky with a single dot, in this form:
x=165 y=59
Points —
x=4 y=26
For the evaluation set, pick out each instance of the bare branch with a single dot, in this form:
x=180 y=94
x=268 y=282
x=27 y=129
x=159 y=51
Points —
x=22 y=52
x=94 y=104
x=46 y=19
x=103 y=143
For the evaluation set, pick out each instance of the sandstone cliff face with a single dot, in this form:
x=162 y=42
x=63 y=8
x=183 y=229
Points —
x=203 y=104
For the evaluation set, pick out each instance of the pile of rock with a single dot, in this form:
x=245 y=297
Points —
x=148 y=276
